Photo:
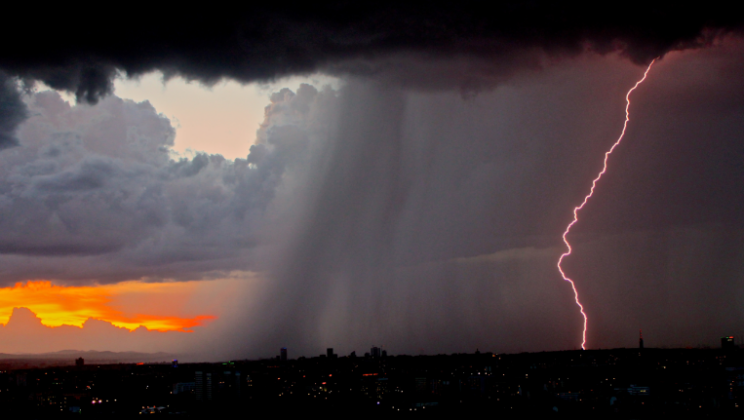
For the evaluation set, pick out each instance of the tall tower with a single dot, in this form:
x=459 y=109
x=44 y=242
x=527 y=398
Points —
x=640 y=340
x=283 y=353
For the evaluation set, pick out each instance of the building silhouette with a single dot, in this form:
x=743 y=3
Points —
x=184 y=388
x=727 y=343
x=283 y=353
x=203 y=385
x=640 y=340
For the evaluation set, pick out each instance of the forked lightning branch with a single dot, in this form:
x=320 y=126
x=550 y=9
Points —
x=586 y=199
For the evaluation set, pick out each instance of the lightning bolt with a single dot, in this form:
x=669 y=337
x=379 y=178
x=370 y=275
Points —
x=591 y=192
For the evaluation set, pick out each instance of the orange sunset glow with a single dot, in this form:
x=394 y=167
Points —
x=120 y=304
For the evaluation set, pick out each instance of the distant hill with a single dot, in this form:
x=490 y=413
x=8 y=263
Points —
x=91 y=356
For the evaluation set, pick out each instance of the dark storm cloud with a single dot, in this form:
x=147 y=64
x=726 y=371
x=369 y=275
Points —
x=12 y=111
x=266 y=41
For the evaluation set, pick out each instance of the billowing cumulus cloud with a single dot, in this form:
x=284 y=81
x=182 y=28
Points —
x=98 y=184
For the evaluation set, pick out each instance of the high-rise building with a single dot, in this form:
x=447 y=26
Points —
x=79 y=361
x=199 y=385
x=727 y=343
x=375 y=352
x=238 y=385
x=175 y=363
x=329 y=353
x=283 y=353
x=640 y=340
x=203 y=386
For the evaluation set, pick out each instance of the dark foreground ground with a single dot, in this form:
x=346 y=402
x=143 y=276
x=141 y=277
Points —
x=620 y=383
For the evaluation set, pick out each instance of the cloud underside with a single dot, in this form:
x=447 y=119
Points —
x=263 y=42
x=468 y=46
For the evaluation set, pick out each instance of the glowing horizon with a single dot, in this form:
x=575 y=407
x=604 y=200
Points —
x=57 y=305
x=586 y=199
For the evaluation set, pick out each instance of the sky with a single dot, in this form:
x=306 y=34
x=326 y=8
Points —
x=220 y=119
x=347 y=177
